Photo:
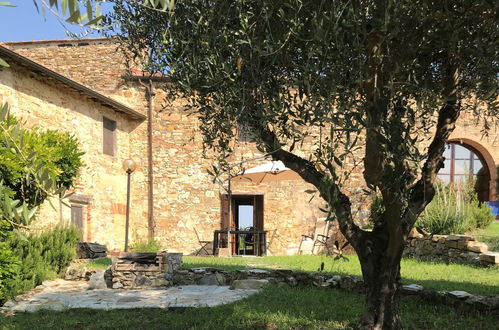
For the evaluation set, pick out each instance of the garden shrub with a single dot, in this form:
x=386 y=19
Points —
x=151 y=245
x=376 y=211
x=54 y=154
x=454 y=211
x=34 y=165
x=9 y=263
x=36 y=258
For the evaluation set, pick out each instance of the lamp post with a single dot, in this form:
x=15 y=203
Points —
x=129 y=166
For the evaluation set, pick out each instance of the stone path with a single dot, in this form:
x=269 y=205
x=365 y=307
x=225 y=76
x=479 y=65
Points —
x=61 y=294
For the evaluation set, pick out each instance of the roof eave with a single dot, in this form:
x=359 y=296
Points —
x=117 y=106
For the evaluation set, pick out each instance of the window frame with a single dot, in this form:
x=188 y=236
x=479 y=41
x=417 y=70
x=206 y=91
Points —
x=448 y=175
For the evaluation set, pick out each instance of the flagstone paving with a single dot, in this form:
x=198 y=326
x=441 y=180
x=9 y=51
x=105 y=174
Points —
x=61 y=294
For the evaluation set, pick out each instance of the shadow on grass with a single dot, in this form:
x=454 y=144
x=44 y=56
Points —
x=442 y=285
x=273 y=308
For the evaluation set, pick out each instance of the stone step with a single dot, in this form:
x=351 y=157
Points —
x=490 y=257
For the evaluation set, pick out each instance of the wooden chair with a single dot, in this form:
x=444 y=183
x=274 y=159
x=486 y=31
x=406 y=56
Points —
x=202 y=243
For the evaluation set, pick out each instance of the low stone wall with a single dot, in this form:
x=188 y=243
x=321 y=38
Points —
x=254 y=278
x=77 y=271
x=451 y=248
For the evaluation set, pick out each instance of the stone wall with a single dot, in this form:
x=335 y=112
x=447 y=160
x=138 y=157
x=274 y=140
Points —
x=101 y=188
x=91 y=62
x=451 y=248
x=184 y=196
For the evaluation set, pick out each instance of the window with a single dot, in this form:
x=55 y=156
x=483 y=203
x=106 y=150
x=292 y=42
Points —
x=464 y=165
x=109 y=136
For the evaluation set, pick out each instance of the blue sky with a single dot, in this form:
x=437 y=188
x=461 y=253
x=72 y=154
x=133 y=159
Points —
x=24 y=23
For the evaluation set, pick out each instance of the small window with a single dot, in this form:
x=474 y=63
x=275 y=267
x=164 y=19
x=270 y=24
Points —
x=109 y=136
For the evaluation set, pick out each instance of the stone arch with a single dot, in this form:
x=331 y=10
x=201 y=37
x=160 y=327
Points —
x=486 y=158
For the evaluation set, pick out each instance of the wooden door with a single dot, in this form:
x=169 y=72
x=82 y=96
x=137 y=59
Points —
x=77 y=216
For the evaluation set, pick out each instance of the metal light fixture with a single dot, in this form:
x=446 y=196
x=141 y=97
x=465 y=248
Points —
x=129 y=166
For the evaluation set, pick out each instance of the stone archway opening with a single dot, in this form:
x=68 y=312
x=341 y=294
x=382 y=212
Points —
x=467 y=160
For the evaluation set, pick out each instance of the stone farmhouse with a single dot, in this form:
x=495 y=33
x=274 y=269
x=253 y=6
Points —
x=84 y=87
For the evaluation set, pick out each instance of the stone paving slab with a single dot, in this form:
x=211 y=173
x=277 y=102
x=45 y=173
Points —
x=60 y=295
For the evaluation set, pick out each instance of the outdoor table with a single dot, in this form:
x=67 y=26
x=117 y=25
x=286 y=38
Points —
x=259 y=239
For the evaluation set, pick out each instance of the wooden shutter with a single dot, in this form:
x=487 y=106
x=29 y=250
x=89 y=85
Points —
x=109 y=136
x=224 y=211
x=77 y=215
x=224 y=219
x=258 y=212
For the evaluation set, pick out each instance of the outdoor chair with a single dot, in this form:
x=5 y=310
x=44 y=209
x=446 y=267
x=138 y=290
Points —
x=316 y=240
x=247 y=240
x=202 y=243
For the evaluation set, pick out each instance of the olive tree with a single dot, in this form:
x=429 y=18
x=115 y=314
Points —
x=388 y=73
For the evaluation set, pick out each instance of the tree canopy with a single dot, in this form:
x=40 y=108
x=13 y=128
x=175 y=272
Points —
x=390 y=76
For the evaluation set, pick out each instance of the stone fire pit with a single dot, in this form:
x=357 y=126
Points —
x=132 y=270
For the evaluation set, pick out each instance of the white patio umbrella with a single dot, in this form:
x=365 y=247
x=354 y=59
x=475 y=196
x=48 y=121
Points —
x=268 y=172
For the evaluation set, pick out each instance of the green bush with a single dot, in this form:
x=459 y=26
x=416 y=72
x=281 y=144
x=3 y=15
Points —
x=375 y=212
x=34 y=164
x=454 y=211
x=9 y=264
x=35 y=258
x=24 y=152
x=146 y=246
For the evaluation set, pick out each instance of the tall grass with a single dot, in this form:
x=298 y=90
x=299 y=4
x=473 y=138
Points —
x=151 y=246
x=454 y=210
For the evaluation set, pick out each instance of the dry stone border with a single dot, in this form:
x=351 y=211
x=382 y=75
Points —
x=148 y=283
x=259 y=277
x=207 y=286
x=451 y=248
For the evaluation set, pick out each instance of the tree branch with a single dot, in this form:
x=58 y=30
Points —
x=328 y=190
x=423 y=191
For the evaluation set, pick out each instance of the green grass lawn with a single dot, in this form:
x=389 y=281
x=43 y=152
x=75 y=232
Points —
x=489 y=235
x=432 y=275
x=283 y=307
x=274 y=308
x=100 y=263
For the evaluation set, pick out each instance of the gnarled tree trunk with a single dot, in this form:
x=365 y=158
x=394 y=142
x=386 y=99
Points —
x=381 y=274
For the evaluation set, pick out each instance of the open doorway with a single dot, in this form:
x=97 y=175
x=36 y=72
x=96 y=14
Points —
x=246 y=215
